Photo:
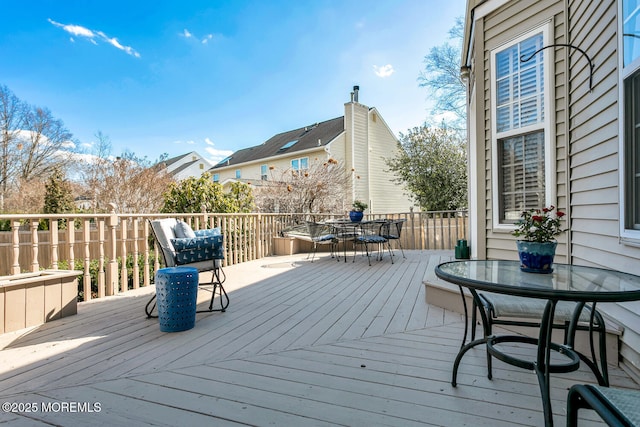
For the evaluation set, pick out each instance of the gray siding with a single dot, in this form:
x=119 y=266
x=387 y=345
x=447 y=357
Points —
x=595 y=157
x=585 y=138
x=507 y=23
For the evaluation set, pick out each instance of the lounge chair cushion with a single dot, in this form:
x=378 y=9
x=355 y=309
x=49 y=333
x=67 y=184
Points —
x=198 y=249
x=209 y=232
x=532 y=308
x=184 y=230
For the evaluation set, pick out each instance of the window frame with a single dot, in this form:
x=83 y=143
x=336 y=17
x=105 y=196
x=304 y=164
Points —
x=264 y=172
x=631 y=235
x=238 y=174
x=545 y=125
x=299 y=160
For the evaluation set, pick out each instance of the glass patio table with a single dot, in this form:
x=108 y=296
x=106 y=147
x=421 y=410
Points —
x=576 y=283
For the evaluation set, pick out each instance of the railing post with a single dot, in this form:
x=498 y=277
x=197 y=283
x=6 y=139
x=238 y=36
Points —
x=145 y=248
x=124 y=282
x=86 y=235
x=71 y=240
x=260 y=249
x=112 y=270
x=101 y=273
x=15 y=241
x=53 y=232
x=34 y=246
x=136 y=268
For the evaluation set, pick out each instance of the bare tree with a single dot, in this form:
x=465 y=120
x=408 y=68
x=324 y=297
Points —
x=26 y=196
x=44 y=145
x=443 y=80
x=32 y=145
x=322 y=188
x=12 y=112
x=134 y=184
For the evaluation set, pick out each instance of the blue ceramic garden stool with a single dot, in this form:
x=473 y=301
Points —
x=176 y=297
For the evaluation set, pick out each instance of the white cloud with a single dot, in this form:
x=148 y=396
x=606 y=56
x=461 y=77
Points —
x=215 y=156
x=93 y=35
x=384 y=71
x=203 y=40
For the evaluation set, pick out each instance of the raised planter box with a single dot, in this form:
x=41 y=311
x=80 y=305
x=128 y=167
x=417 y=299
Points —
x=285 y=245
x=31 y=299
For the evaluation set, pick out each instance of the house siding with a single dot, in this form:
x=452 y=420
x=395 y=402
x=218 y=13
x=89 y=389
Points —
x=595 y=159
x=586 y=138
x=361 y=147
x=498 y=28
x=358 y=136
x=251 y=171
x=388 y=195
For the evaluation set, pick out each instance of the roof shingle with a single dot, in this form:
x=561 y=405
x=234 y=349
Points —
x=306 y=137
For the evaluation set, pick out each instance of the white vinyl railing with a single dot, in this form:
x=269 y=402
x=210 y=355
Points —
x=115 y=251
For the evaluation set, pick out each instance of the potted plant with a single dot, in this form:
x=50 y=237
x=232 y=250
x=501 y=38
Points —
x=536 y=231
x=357 y=209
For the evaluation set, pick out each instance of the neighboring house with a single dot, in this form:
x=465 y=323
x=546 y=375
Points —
x=187 y=165
x=551 y=131
x=360 y=139
x=84 y=202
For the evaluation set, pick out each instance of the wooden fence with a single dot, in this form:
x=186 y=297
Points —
x=104 y=246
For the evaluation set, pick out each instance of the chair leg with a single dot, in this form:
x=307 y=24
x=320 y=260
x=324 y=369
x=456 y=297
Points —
x=217 y=279
x=151 y=305
x=390 y=252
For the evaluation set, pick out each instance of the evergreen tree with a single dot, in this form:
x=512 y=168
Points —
x=196 y=195
x=58 y=196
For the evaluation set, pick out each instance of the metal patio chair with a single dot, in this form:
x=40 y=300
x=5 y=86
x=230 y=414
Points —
x=616 y=407
x=321 y=234
x=502 y=309
x=203 y=250
x=391 y=230
x=370 y=236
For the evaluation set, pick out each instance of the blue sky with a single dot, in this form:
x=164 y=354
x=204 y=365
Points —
x=217 y=76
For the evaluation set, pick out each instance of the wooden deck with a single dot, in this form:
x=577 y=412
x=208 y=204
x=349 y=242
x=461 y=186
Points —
x=322 y=343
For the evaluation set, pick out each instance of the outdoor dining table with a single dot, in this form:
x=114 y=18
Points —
x=345 y=230
x=566 y=282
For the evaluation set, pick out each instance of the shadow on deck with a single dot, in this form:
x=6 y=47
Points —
x=322 y=343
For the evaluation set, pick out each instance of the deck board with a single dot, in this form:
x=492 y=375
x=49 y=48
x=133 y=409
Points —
x=302 y=343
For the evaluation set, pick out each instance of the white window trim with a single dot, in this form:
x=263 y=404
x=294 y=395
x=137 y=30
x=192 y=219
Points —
x=299 y=161
x=624 y=72
x=546 y=126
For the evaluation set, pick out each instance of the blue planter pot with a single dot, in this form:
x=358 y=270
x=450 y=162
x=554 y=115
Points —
x=536 y=257
x=356 y=216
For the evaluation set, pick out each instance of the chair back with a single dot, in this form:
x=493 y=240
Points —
x=163 y=232
x=371 y=229
x=318 y=230
x=391 y=229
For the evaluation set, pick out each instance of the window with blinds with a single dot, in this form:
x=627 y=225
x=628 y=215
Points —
x=519 y=134
x=522 y=174
x=631 y=93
